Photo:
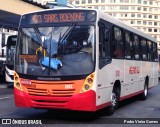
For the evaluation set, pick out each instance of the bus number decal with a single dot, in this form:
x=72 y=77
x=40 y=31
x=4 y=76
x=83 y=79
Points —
x=134 y=70
x=117 y=73
x=68 y=86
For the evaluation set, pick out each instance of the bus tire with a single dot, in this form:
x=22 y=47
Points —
x=114 y=101
x=145 y=91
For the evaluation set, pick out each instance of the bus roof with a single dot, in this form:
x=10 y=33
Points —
x=107 y=17
x=58 y=9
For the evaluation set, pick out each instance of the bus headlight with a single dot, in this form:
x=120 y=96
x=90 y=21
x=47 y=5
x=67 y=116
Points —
x=17 y=82
x=18 y=85
x=16 y=79
x=86 y=86
x=88 y=83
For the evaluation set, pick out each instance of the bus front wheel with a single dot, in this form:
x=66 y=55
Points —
x=114 y=101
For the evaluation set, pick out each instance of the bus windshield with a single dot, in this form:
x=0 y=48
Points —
x=56 y=50
x=10 y=53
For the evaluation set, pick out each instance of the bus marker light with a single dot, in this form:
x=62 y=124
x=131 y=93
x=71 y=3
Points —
x=92 y=75
x=15 y=74
x=82 y=90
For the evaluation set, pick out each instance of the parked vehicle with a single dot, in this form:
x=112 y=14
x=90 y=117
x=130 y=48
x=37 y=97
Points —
x=2 y=71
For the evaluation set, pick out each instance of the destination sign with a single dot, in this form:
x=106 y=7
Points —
x=57 y=17
x=62 y=17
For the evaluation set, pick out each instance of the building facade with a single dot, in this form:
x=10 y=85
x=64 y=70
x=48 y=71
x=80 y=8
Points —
x=140 y=14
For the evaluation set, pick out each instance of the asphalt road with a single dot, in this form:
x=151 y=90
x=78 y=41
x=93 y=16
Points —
x=131 y=108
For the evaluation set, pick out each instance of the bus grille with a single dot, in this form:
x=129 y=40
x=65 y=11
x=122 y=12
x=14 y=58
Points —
x=50 y=92
x=50 y=88
x=49 y=104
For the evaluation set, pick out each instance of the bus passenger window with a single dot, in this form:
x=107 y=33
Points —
x=155 y=54
x=150 y=50
x=118 y=46
x=136 y=48
x=104 y=47
x=144 y=49
x=128 y=46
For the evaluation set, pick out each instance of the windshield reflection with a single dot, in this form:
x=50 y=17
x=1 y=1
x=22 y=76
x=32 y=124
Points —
x=56 y=51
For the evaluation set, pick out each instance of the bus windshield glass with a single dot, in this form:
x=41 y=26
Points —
x=10 y=53
x=56 y=50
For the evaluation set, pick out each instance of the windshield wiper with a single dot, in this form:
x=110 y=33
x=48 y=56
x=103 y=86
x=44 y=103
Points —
x=66 y=34
x=39 y=37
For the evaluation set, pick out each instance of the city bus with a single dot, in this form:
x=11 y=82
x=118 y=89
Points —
x=81 y=59
x=10 y=53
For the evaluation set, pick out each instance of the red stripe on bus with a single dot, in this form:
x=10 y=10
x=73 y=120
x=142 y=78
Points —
x=131 y=95
x=103 y=106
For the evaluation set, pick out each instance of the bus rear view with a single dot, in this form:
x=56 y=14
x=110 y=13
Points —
x=55 y=60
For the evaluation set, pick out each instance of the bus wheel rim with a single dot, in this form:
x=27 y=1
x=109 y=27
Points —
x=113 y=99
x=145 y=90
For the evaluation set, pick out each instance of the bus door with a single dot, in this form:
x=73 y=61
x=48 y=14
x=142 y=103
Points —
x=104 y=75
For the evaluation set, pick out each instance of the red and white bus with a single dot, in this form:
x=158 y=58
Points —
x=81 y=59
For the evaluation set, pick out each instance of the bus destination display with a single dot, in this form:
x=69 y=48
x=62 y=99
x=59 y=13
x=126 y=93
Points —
x=57 y=18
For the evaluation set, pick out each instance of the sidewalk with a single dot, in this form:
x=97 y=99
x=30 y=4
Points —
x=6 y=85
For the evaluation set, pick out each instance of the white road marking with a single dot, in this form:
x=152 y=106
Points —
x=5 y=98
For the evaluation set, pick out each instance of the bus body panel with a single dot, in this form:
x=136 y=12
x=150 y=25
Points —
x=130 y=77
x=54 y=94
x=130 y=73
x=107 y=76
x=82 y=102
x=155 y=73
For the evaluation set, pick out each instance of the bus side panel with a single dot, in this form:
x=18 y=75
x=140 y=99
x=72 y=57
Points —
x=129 y=77
x=151 y=75
x=151 y=70
x=155 y=73
x=146 y=71
x=106 y=79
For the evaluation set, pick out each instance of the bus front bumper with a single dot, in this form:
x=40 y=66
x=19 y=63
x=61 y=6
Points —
x=82 y=101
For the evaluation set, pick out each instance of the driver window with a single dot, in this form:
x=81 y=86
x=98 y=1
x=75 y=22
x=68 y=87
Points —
x=104 y=46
